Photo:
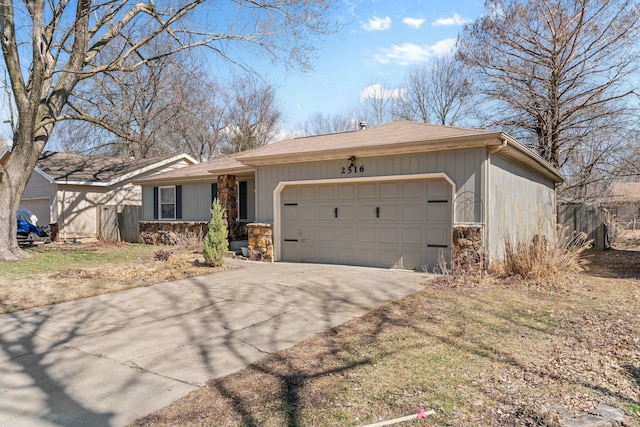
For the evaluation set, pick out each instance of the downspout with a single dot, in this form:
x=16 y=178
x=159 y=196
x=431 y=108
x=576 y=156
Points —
x=488 y=197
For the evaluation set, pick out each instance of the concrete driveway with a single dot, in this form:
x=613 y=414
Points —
x=107 y=360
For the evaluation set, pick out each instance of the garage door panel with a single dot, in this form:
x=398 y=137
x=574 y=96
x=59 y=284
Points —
x=326 y=192
x=308 y=192
x=367 y=234
x=367 y=191
x=440 y=189
x=414 y=211
x=413 y=189
x=346 y=192
x=413 y=235
x=367 y=212
x=309 y=212
x=438 y=235
x=289 y=194
x=327 y=254
x=438 y=210
x=389 y=235
x=347 y=233
x=290 y=212
x=390 y=190
x=390 y=212
x=346 y=213
x=390 y=257
x=367 y=256
x=327 y=233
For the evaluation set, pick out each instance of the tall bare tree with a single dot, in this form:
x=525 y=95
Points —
x=50 y=46
x=436 y=93
x=553 y=70
x=252 y=115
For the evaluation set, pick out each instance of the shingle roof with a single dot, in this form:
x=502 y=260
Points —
x=198 y=171
x=89 y=169
x=625 y=191
x=390 y=134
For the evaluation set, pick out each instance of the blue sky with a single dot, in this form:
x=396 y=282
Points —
x=380 y=42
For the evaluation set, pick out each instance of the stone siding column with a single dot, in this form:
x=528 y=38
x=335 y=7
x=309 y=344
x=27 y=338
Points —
x=227 y=198
x=468 y=251
x=260 y=241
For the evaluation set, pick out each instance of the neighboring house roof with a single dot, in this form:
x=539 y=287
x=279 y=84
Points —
x=204 y=171
x=622 y=192
x=395 y=138
x=78 y=169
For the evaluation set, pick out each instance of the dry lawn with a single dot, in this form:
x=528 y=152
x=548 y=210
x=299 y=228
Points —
x=65 y=272
x=479 y=353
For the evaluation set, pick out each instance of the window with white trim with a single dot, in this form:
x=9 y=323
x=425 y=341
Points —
x=167 y=202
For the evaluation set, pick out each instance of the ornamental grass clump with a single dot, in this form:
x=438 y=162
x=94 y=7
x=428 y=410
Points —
x=544 y=262
x=215 y=244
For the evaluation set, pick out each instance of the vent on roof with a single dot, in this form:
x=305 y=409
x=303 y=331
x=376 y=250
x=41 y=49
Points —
x=362 y=125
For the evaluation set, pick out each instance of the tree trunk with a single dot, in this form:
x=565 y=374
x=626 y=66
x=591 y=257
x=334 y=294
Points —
x=14 y=175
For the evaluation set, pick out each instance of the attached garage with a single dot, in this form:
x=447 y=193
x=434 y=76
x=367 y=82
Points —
x=383 y=222
x=401 y=195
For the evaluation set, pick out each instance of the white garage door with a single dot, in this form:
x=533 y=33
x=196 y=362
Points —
x=404 y=224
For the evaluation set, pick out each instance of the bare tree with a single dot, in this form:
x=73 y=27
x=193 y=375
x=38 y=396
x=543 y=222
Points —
x=67 y=39
x=252 y=115
x=378 y=102
x=323 y=124
x=436 y=93
x=552 y=70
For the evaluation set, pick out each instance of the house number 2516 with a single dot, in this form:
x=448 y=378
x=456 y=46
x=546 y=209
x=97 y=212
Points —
x=352 y=169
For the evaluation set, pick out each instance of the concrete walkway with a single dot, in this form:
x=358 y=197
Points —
x=107 y=360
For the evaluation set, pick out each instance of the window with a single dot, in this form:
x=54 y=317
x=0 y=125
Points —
x=242 y=200
x=167 y=202
x=214 y=191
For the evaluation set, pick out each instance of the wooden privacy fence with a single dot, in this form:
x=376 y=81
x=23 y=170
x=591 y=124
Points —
x=592 y=220
x=118 y=223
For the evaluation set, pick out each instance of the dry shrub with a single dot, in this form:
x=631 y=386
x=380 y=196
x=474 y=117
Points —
x=162 y=255
x=541 y=262
x=190 y=241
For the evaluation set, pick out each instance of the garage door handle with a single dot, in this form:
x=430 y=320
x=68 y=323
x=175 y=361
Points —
x=378 y=212
x=335 y=212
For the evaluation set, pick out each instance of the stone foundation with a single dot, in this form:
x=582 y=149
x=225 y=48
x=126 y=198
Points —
x=260 y=237
x=171 y=232
x=468 y=252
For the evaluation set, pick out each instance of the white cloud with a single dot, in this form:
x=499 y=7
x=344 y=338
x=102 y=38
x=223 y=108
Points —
x=454 y=20
x=413 y=22
x=378 y=24
x=409 y=53
x=377 y=91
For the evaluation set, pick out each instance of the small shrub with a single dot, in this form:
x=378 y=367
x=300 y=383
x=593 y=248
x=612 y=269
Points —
x=215 y=244
x=543 y=262
x=162 y=255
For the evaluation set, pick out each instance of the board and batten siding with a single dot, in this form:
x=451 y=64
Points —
x=464 y=167
x=521 y=204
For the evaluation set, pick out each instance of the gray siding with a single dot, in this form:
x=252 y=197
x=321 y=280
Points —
x=464 y=167
x=196 y=201
x=521 y=204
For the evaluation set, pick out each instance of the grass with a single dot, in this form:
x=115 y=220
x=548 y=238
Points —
x=64 y=272
x=46 y=259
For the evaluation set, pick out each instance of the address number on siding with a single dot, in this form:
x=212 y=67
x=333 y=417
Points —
x=347 y=170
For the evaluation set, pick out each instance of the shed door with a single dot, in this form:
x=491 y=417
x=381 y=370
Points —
x=402 y=224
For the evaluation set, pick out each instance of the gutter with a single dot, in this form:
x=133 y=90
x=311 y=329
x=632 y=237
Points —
x=487 y=186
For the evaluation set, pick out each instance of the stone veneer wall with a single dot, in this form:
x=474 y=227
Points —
x=227 y=198
x=260 y=241
x=171 y=232
x=468 y=252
